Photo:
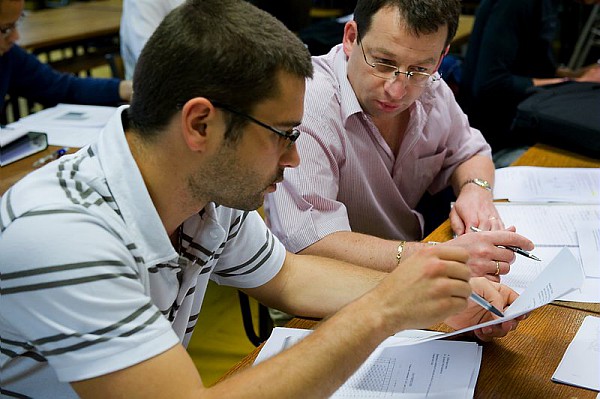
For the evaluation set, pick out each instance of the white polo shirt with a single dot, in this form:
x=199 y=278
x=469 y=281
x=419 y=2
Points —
x=90 y=281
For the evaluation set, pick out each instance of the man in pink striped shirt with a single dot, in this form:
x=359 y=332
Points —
x=380 y=129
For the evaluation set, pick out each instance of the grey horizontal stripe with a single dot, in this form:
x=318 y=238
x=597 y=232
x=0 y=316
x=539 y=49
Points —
x=196 y=246
x=23 y=345
x=259 y=264
x=52 y=212
x=63 y=283
x=29 y=354
x=251 y=260
x=139 y=328
x=108 y=199
x=112 y=327
x=11 y=394
x=60 y=268
x=86 y=344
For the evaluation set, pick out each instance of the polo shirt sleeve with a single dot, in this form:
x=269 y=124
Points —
x=82 y=307
x=251 y=255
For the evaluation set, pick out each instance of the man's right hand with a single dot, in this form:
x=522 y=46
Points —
x=431 y=285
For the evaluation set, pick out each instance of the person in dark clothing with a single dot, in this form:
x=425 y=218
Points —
x=509 y=52
x=22 y=74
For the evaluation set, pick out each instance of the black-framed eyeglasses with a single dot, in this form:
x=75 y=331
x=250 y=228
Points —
x=8 y=30
x=391 y=72
x=291 y=135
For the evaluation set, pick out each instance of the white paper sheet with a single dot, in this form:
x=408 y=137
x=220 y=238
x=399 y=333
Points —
x=541 y=184
x=580 y=365
x=68 y=125
x=588 y=235
x=550 y=226
x=562 y=275
x=438 y=369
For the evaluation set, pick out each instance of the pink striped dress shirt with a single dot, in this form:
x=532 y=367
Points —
x=349 y=179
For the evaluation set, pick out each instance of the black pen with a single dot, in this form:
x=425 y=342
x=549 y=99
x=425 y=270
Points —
x=485 y=304
x=517 y=250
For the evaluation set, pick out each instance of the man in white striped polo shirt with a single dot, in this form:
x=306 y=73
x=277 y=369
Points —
x=106 y=253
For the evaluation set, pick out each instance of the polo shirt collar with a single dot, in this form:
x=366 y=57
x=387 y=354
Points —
x=127 y=186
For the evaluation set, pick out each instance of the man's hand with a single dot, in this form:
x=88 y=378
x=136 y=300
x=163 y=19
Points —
x=474 y=207
x=496 y=294
x=432 y=284
x=486 y=259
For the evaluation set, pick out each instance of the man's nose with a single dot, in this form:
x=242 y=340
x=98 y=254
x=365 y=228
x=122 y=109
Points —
x=396 y=88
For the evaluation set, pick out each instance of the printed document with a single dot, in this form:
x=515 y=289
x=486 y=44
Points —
x=541 y=184
x=550 y=227
x=562 y=275
x=437 y=369
x=580 y=365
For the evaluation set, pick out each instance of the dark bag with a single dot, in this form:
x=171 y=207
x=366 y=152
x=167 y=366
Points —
x=566 y=115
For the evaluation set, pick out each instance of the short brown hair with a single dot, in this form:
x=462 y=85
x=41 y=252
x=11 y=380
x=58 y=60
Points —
x=422 y=16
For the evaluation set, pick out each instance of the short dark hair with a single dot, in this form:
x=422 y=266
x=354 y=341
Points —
x=225 y=50
x=421 y=16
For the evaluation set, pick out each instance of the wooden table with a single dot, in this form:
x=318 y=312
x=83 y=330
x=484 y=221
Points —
x=521 y=364
x=60 y=27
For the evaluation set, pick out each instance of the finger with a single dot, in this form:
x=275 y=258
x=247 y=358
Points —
x=459 y=271
x=496 y=331
x=497 y=224
x=485 y=225
x=451 y=253
x=456 y=223
x=508 y=294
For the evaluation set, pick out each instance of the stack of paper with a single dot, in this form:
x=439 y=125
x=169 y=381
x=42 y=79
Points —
x=437 y=369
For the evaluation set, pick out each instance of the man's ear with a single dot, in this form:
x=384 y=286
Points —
x=350 y=37
x=197 y=116
x=444 y=53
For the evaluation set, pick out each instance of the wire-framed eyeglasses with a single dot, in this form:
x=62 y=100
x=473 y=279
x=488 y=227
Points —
x=391 y=72
x=291 y=135
x=6 y=31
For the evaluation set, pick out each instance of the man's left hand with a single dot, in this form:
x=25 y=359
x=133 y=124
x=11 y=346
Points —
x=500 y=296
x=474 y=207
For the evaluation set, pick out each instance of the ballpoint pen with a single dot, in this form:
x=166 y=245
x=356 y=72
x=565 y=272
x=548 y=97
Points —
x=485 y=304
x=51 y=157
x=517 y=250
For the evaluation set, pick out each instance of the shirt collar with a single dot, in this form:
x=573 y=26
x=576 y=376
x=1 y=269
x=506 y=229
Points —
x=127 y=186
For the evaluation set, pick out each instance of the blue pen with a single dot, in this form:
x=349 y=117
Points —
x=51 y=157
x=485 y=304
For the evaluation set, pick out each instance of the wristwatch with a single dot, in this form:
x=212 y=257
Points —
x=480 y=182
